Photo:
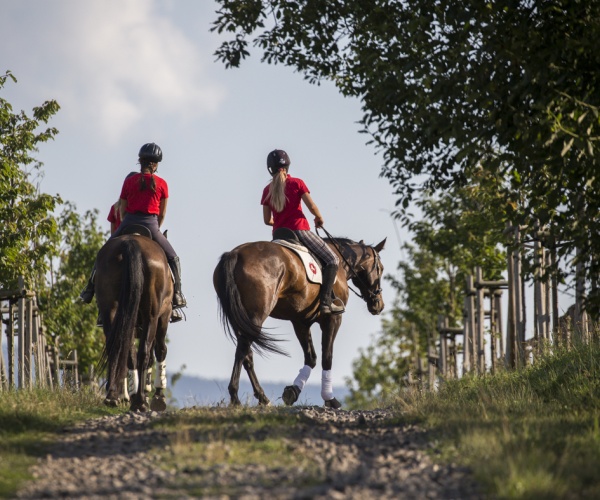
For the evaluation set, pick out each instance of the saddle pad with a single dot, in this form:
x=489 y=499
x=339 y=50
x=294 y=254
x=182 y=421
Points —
x=312 y=266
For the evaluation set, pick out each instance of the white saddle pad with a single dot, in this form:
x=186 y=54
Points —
x=311 y=265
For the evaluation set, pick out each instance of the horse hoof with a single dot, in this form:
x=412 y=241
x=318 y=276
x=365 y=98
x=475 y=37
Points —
x=113 y=403
x=158 y=403
x=143 y=408
x=333 y=404
x=290 y=394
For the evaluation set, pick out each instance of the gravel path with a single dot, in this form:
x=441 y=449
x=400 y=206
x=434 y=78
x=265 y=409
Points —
x=359 y=456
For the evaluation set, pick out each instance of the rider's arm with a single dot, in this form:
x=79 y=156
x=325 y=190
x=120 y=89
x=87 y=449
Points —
x=162 y=211
x=312 y=207
x=267 y=215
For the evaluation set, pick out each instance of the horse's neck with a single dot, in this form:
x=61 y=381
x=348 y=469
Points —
x=352 y=259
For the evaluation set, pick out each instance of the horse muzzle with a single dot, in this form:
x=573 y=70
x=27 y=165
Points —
x=375 y=304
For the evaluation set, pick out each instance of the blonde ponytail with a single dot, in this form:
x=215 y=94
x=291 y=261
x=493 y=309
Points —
x=276 y=197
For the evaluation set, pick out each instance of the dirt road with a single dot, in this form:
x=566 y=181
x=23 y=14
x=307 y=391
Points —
x=359 y=455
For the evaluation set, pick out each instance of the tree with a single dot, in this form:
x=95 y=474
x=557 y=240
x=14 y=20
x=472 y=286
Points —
x=447 y=86
x=31 y=237
x=28 y=230
x=457 y=231
x=65 y=317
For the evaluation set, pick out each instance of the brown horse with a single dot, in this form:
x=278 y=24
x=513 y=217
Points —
x=133 y=291
x=262 y=279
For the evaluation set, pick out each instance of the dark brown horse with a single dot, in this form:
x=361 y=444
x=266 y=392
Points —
x=133 y=291
x=262 y=279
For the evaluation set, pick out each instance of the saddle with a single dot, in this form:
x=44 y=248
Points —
x=287 y=238
x=137 y=229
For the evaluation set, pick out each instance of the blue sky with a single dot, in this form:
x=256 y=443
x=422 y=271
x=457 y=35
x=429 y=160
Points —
x=127 y=72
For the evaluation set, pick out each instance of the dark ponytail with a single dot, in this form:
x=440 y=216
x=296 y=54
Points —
x=145 y=164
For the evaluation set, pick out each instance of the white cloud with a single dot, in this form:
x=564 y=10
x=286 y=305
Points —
x=111 y=64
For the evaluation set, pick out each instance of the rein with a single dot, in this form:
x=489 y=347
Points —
x=372 y=295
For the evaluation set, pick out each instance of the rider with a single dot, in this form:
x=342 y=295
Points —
x=114 y=215
x=282 y=207
x=143 y=201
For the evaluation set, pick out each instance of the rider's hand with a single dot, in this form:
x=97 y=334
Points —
x=319 y=221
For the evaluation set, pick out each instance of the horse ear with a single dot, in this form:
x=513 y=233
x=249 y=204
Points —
x=361 y=242
x=380 y=245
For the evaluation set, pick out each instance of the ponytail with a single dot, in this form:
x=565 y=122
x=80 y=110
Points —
x=276 y=196
x=145 y=164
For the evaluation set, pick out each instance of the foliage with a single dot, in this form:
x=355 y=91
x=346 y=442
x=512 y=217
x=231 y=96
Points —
x=449 y=86
x=456 y=232
x=381 y=368
x=28 y=231
x=531 y=433
x=32 y=238
x=65 y=317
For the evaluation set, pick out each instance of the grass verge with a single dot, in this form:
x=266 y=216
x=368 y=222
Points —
x=532 y=433
x=30 y=422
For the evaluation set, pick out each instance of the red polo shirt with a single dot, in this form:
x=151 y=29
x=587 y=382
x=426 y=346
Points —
x=292 y=216
x=146 y=201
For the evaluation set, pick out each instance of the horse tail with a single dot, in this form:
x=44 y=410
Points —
x=122 y=332
x=234 y=316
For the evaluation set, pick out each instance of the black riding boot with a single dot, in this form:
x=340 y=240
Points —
x=88 y=292
x=178 y=297
x=329 y=303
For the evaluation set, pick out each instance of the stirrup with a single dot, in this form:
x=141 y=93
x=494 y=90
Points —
x=335 y=307
x=176 y=316
x=179 y=300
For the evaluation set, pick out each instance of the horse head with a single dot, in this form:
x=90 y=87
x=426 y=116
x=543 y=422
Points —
x=367 y=274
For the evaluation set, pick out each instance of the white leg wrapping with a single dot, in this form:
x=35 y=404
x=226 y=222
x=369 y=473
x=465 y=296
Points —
x=133 y=381
x=303 y=376
x=125 y=393
x=326 y=385
x=161 y=375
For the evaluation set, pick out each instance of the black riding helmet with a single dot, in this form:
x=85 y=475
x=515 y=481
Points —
x=277 y=159
x=150 y=152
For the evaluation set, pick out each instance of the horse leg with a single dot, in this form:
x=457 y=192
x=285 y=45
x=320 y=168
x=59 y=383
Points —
x=329 y=326
x=159 y=402
x=259 y=393
x=139 y=400
x=241 y=351
x=130 y=382
x=292 y=392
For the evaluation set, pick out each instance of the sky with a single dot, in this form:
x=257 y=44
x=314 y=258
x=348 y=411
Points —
x=128 y=72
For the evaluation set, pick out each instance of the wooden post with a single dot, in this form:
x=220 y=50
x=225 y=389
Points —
x=469 y=324
x=499 y=323
x=493 y=339
x=479 y=322
x=3 y=374
x=28 y=344
x=10 y=334
x=443 y=353
x=432 y=362
x=580 y=327
x=21 y=343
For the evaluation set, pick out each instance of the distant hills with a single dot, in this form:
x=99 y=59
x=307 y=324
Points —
x=190 y=390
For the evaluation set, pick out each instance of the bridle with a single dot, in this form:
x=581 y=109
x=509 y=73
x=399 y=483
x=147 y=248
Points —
x=372 y=295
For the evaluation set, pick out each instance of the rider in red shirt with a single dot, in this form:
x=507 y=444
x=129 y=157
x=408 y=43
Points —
x=114 y=215
x=143 y=201
x=282 y=207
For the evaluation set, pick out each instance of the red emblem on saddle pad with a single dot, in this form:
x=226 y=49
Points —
x=313 y=268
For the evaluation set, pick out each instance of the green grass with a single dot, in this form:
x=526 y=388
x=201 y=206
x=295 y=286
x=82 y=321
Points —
x=532 y=433
x=30 y=421
x=207 y=440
